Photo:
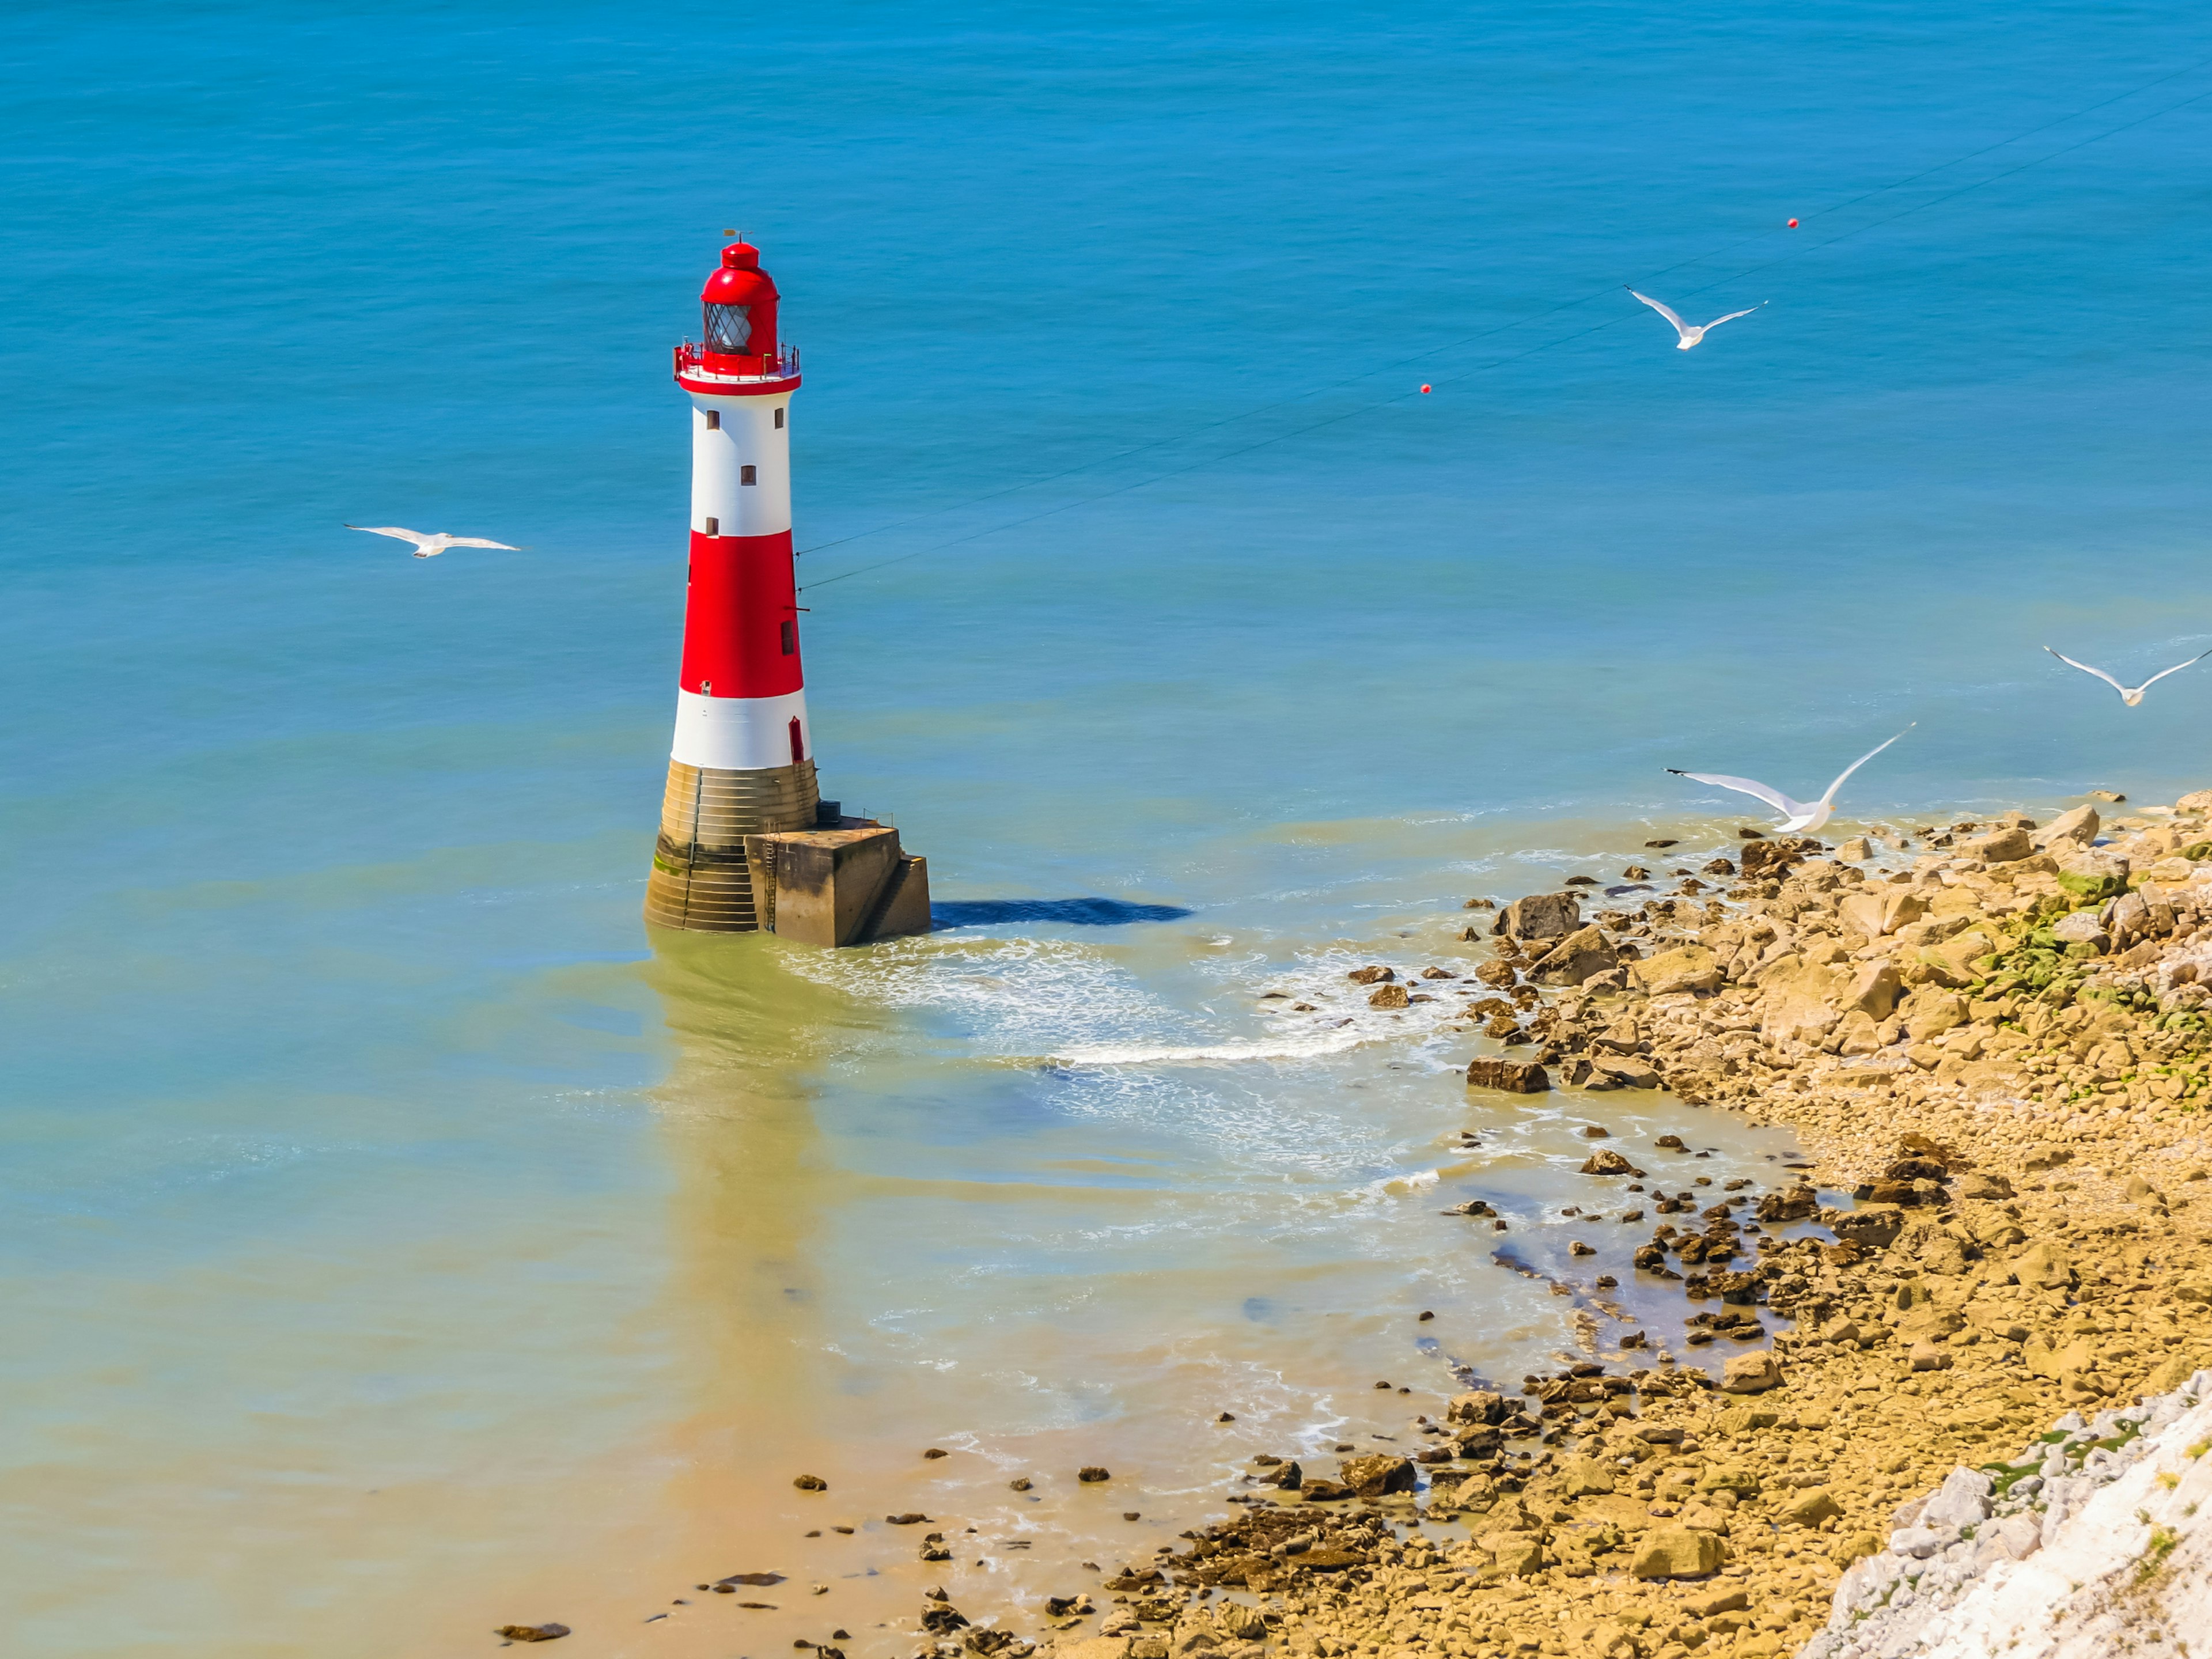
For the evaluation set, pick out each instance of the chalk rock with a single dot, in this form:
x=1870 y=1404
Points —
x=1692 y=968
x=1772 y=858
x=1963 y=1500
x=2014 y=1538
x=2082 y=928
x=1512 y=1555
x=1953 y=959
x=1883 y=911
x=1580 y=956
x=1678 y=1552
x=1929 y=1012
x=2044 y=1265
x=2170 y=1375
x=1585 y=1477
x=1919 y=1542
x=2000 y=845
x=1928 y=1356
x=2130 y=916
x=1751 y=1373
x=1711 y=1606
x=1986 y=1187
x=2076 y=828
x=1938 y=1250
x=1874 y=1227
x=1540 y=915
x=1858 y=850
x=1874 y=991
x=1852 y=1553
x=1377 y=1474
x=1732 y=1477
x=1799 y=1003
x=1478 y=1406
x=1607 y=1162
x=1620 y=1071
x=1796 y=1204
x=1516 y=1077
x=1246 y=1624
x=1390 y=996
x=2093 y=875
x=1810 y=1509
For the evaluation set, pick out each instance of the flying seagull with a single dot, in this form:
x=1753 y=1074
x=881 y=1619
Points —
x=429 y=547
x=1802 y=816
x=1690 y=332
x=2130 y=695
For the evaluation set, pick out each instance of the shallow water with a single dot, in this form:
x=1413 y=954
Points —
x=397 y=1245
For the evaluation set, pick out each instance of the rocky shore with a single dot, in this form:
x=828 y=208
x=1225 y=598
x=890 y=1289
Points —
x=1992 y=1039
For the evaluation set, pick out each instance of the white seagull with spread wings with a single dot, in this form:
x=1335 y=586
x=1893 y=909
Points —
x=2130 y=695
x=429 y=547
x=1692 y=332
x=1802 y=816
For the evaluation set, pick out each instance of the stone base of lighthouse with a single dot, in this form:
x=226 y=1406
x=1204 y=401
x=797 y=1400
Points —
x=759 y=851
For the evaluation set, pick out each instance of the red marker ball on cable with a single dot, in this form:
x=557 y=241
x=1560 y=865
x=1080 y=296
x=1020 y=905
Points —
x=1793 y=224
x=1424 y=386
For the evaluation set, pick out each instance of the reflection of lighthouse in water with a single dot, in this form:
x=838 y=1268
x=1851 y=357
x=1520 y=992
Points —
x=747 y=842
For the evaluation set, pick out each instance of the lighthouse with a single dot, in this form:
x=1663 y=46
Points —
x=747 y=842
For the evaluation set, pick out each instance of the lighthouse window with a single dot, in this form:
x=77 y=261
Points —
x=790 y=638
x=714 y=420
x=779 y=420
x=747 y=475
x=729 y=328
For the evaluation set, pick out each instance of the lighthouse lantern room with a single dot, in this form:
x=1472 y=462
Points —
x=746 y=843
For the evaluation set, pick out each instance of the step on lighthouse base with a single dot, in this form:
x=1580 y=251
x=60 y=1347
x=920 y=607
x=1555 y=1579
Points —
x=759 y=851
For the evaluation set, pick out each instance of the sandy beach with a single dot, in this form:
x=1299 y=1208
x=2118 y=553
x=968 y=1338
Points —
x=1990 y=1039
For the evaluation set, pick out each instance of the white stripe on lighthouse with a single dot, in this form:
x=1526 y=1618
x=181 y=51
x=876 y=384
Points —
x=739 y=734
x=746 y=434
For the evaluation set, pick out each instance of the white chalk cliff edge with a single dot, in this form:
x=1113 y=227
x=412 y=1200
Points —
x=2097 y=1540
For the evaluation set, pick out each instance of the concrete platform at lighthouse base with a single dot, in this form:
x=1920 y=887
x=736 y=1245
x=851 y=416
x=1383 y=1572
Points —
x=759 y=851
x=848 y=883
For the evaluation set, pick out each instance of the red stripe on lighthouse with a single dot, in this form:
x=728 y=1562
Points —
x=741 y=596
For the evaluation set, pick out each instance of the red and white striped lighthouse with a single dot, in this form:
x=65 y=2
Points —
x=742 y=767
x=742 y=763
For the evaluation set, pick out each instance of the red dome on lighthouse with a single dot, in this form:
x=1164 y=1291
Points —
x=739 y=301
x=740 y=281
x=742 y=355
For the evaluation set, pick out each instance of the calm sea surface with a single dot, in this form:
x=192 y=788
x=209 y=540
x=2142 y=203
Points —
x=395 y=1244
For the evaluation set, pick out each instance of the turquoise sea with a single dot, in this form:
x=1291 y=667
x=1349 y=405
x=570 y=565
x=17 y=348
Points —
x=396 y=1242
